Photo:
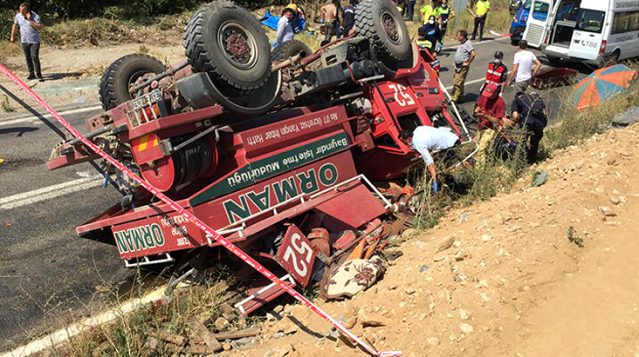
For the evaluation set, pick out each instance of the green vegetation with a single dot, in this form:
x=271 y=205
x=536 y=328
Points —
x=499 y=174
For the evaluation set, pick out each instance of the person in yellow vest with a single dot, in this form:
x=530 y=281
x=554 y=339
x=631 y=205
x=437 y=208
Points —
x=443 y=14
x=481 y=11
x=427 y=11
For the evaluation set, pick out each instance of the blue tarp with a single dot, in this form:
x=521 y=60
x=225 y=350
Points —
x=271 y=21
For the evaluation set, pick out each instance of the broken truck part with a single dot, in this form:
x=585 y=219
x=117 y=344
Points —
x=287 y=169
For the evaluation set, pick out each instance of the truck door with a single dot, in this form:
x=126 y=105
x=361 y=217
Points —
x=536 y=27
x=588 y=36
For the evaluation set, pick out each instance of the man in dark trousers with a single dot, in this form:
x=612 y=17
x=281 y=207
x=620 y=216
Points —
x=348 y=18
x=429 y=35
x=528 y=112
x=29 y=24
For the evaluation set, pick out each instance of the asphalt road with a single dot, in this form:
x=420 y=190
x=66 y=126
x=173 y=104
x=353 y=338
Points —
x=47 y=275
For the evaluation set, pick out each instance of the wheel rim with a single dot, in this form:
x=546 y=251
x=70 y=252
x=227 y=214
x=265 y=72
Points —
x=392 y=30
x=238 y=46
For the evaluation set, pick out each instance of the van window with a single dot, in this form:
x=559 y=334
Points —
x=590 y=20
x=540 y=11
x=625 y=22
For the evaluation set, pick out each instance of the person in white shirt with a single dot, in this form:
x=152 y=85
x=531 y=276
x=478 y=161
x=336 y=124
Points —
x=523 y=71
x=284 y=28
x=425 y=139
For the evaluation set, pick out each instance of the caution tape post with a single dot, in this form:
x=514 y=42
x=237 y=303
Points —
x=199 y=223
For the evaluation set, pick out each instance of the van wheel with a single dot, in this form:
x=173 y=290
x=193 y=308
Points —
x=612 y=59
x=554 y=60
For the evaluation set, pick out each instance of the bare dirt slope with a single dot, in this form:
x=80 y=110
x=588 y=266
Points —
x=506 y=280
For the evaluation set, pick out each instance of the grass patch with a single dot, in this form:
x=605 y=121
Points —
x=111 y=30
x=499 y=173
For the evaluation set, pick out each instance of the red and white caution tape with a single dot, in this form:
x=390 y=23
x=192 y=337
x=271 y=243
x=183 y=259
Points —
x=200 y=224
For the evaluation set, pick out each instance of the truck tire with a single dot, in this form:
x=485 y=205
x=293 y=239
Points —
x=380 y=21
x=227 y=42
x=289 y=49
x=115 y=82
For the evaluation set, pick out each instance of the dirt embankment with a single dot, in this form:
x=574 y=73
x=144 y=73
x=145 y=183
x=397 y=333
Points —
x=502 y=278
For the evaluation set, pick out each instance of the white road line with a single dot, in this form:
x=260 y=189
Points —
x=60 y=336
x=469 y=82
x=47 y=193
x=48 y=116
x=476 y=43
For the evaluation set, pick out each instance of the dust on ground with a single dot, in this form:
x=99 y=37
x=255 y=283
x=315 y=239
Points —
x=502 y=278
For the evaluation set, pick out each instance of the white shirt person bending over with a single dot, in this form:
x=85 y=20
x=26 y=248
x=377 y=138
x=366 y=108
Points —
x=523 y=71
x=425 y=139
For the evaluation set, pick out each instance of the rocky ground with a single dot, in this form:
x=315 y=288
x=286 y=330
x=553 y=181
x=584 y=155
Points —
x=543 y=271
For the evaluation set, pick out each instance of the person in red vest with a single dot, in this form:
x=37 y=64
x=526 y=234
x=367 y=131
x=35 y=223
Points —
x=490 y=111
x=497 y=73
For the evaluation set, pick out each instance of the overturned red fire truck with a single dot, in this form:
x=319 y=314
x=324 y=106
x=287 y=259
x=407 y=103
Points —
x=283 y=152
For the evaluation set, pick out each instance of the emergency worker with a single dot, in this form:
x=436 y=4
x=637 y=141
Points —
x=497 y=73
x=528 y=112
x=490 y=111
x=481 y=12
x=427 y=10
x=429 y=35
x=348 y=18
x=443 y=14
x=425 y=139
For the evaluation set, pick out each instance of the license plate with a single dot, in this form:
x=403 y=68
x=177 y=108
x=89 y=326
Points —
x=296 y=255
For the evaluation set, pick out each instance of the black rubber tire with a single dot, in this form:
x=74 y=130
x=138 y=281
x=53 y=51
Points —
x=114 y=84
x=289 y=49
x=205 y=53
x=555 y=61
x=393 y=50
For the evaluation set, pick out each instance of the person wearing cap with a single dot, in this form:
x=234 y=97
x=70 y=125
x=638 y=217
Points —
x=429 y=35
x=285 y=31
x=481 y=12
x=425 y=139
x=300 y=17
x=490 y=109
x=497 y=73
x=523 y=71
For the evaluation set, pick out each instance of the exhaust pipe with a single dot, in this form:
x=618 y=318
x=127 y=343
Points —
x=289 y=62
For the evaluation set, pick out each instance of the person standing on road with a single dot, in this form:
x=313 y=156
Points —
x=443 y=13
x=330 y=14
x=523 y=71
x=425 y=139
x=29 y=24
x=497 y=73
x=285 y=30
x=481 y=12
x=528 y=112
x=464 y=56
x=410 y=10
